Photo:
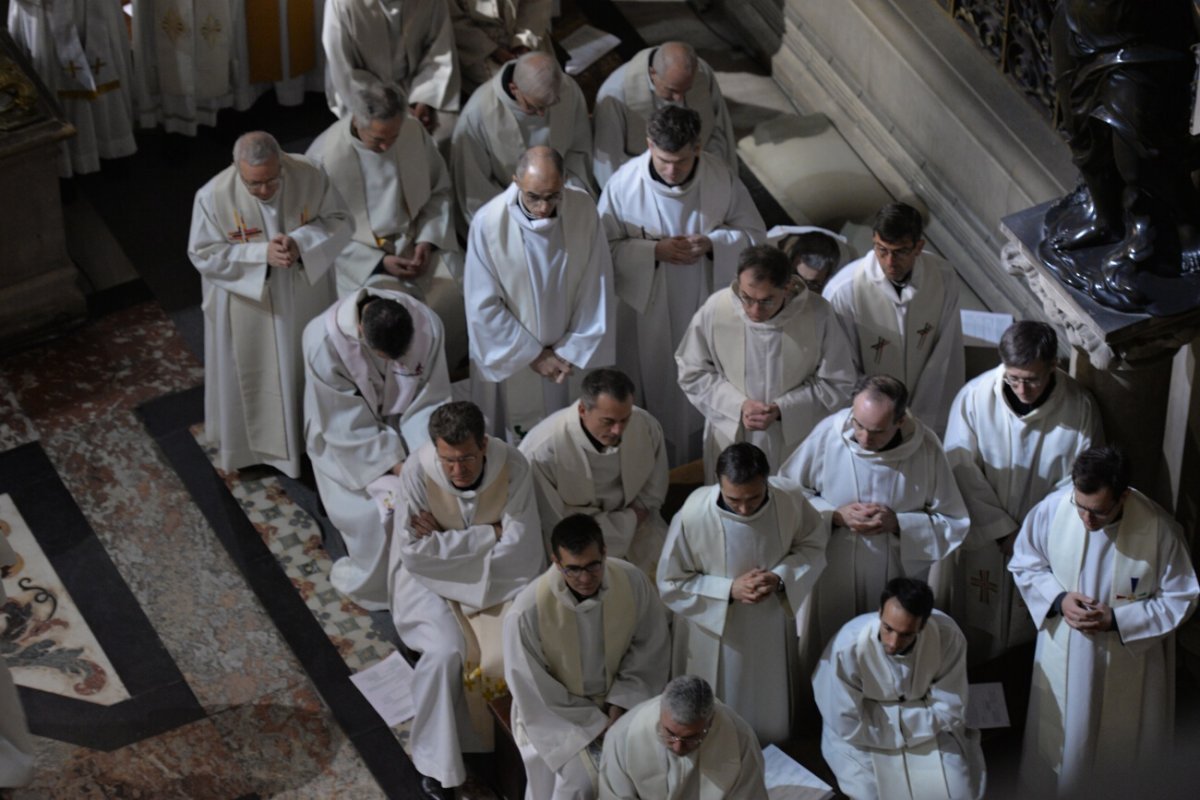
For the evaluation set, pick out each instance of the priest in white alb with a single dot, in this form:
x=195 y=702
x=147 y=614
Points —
x=741 y=558
x=899 y=307
x=1014 y=433
x=408 y=44
x=682 y=744
x=529 y=103
x=669 y=74
x=1108 y=580
x=395 y=183
x=879 y=476
x=603 y=456
x=583 y=644
x=265 y=234
x=376 y=370
x=892 y=690
x=538 y=288
x=465 y=540
x=81 y=52
x=490 y=33
x=764 y=360
x=676 y=219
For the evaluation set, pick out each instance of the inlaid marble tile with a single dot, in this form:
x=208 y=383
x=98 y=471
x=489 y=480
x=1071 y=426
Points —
x=61 y=772
x=15 y=427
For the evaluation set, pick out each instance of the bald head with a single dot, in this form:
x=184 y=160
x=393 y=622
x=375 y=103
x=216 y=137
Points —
x=539 y=179
x=673 y=71
x=537 y=80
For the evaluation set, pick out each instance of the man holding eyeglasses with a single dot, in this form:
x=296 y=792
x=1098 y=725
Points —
x=676 y=218
x=764 y=360
x=671 y=746
x=740 y=560
x=1108 y=580
x=584 y=643
x=892 y=690
x=465 y=540
x=538 y=288
x=529 y=102
x=1014 y=433
x=265 y=234
x=899 y=307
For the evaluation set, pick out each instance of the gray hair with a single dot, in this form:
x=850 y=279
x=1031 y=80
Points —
x=379 y=104
x=612 y=382
x=537 y=74
x=688 y=700
x=255 y=149
x=674 y=54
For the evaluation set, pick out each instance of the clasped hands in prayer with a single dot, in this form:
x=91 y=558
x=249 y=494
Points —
x=425 y=524
x=758 y=416
x=754 y=586
x=687 y=249
x=867 y=519
x=549 y=365
x=1085 y=614
x=411 y=267
x=282 y=251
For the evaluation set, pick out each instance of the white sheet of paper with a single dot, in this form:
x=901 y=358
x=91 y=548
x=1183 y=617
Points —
x=587 y=45
x=788 y=779
x=388 y=688
x=986 y=707
x=984 y=328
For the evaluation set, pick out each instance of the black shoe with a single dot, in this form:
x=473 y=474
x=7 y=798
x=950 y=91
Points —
x=434 y=790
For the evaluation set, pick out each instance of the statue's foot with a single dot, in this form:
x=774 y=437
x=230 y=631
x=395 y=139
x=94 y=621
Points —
x=1089 y=234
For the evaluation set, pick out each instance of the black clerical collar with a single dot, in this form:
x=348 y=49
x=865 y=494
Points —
x=1021 y=409
x=722 y=505
x=507 y=78
x=596 y=443
x=525 y=211
x=478 y=481
x=654 y=174
x=896 y=441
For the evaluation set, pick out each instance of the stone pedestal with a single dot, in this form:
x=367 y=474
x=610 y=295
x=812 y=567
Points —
x=39 y=294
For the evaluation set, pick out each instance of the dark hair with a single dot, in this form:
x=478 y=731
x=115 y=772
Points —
x=766 y=263
x=884 y=386
x=819 y=251
x=742 y=463
x=454 y=423
x=1028 y=342
x=1099 y=468
x=535 y=153
x=896 y=222
x=387 y=326
x=612 y=382
x=914 y=596
x=672 y=128
x=575 y=534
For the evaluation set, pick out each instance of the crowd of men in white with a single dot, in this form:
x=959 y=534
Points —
x=847 y=458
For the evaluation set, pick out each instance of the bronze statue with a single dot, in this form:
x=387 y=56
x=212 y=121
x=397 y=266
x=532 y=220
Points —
x=1123 y=71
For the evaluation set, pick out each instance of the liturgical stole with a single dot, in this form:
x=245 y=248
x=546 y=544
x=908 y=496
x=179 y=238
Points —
x=884 y=348
x=639 y=99
x=573 y=469
x=719 y=759
x=265 y=54
x=504 y=134
x=558 y=629
x=193 y=46
x=252 y=322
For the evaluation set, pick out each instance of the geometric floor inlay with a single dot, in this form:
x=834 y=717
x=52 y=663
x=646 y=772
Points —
x=45 y=640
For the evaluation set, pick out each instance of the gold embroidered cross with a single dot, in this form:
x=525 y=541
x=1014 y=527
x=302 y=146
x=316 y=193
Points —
x=98 y=65
x=72 y=69
x=984 y=586
x=923 y=332
x=173 y=25
x=878 y=348
x=211 y=30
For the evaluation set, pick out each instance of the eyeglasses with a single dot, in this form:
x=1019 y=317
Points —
x=1028 y=383
x=687 y=741
x=593 y=569
x=1100 y=515
x=766 y=303
x=883 y=251
x=530 y=198
x=464 y=461
x=269 y=183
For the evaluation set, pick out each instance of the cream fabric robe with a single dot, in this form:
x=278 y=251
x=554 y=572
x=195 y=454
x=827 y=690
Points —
x=747 y=653
x=367 y=44
x=360 y=420
x=231 y=255
x=564 y=302
x=658 y=301
x=468 y=566
x=799 y=359
x=626 y=102
x=1080 y=735
x=80 y=50
x=914 y=480
x=493 y=132
x=551 y=725
x=862 y=724
x=636 y=763
x=480 y=26
x=932 y=389
x=1004 y=464
x=16 y=745
x=572 y=477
